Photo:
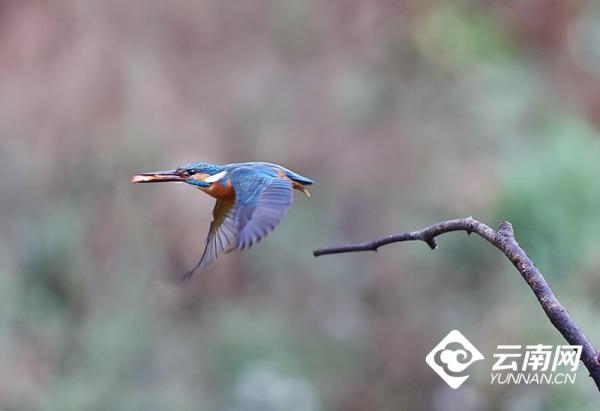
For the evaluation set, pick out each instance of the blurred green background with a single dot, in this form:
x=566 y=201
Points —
x=405 y=112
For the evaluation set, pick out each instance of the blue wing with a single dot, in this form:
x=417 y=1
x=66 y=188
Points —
x=222 y=234
x=263 y=198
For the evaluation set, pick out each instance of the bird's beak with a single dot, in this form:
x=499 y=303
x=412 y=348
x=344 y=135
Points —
x=158 y=177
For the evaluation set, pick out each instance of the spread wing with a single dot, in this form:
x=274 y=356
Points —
x=222 y=234
x=262 y=200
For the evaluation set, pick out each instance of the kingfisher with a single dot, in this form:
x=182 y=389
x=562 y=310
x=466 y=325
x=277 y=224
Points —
x=252 y=199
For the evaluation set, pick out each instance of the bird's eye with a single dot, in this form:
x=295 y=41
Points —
x=183 y=172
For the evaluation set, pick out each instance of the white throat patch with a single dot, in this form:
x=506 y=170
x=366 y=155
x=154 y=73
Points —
x=216 y=177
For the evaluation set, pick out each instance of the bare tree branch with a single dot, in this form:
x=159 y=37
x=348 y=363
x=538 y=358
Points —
x=504 y=240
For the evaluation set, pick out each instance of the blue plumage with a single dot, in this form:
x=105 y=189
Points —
x=252 y=199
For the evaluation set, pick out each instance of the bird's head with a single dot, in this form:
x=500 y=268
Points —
x=196 y=174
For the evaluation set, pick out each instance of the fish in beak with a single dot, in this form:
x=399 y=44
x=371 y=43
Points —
x=160 y=176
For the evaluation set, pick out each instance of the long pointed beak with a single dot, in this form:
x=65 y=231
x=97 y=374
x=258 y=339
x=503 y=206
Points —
x=158 y=177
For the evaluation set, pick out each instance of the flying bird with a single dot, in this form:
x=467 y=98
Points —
x=252 y=198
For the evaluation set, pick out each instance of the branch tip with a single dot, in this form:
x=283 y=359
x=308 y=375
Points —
x=506 y=229
x=431 y=242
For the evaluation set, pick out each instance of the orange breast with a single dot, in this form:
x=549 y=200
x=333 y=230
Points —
x=220 y=191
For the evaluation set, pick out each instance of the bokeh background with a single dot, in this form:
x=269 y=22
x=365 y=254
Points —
x=405 y=112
